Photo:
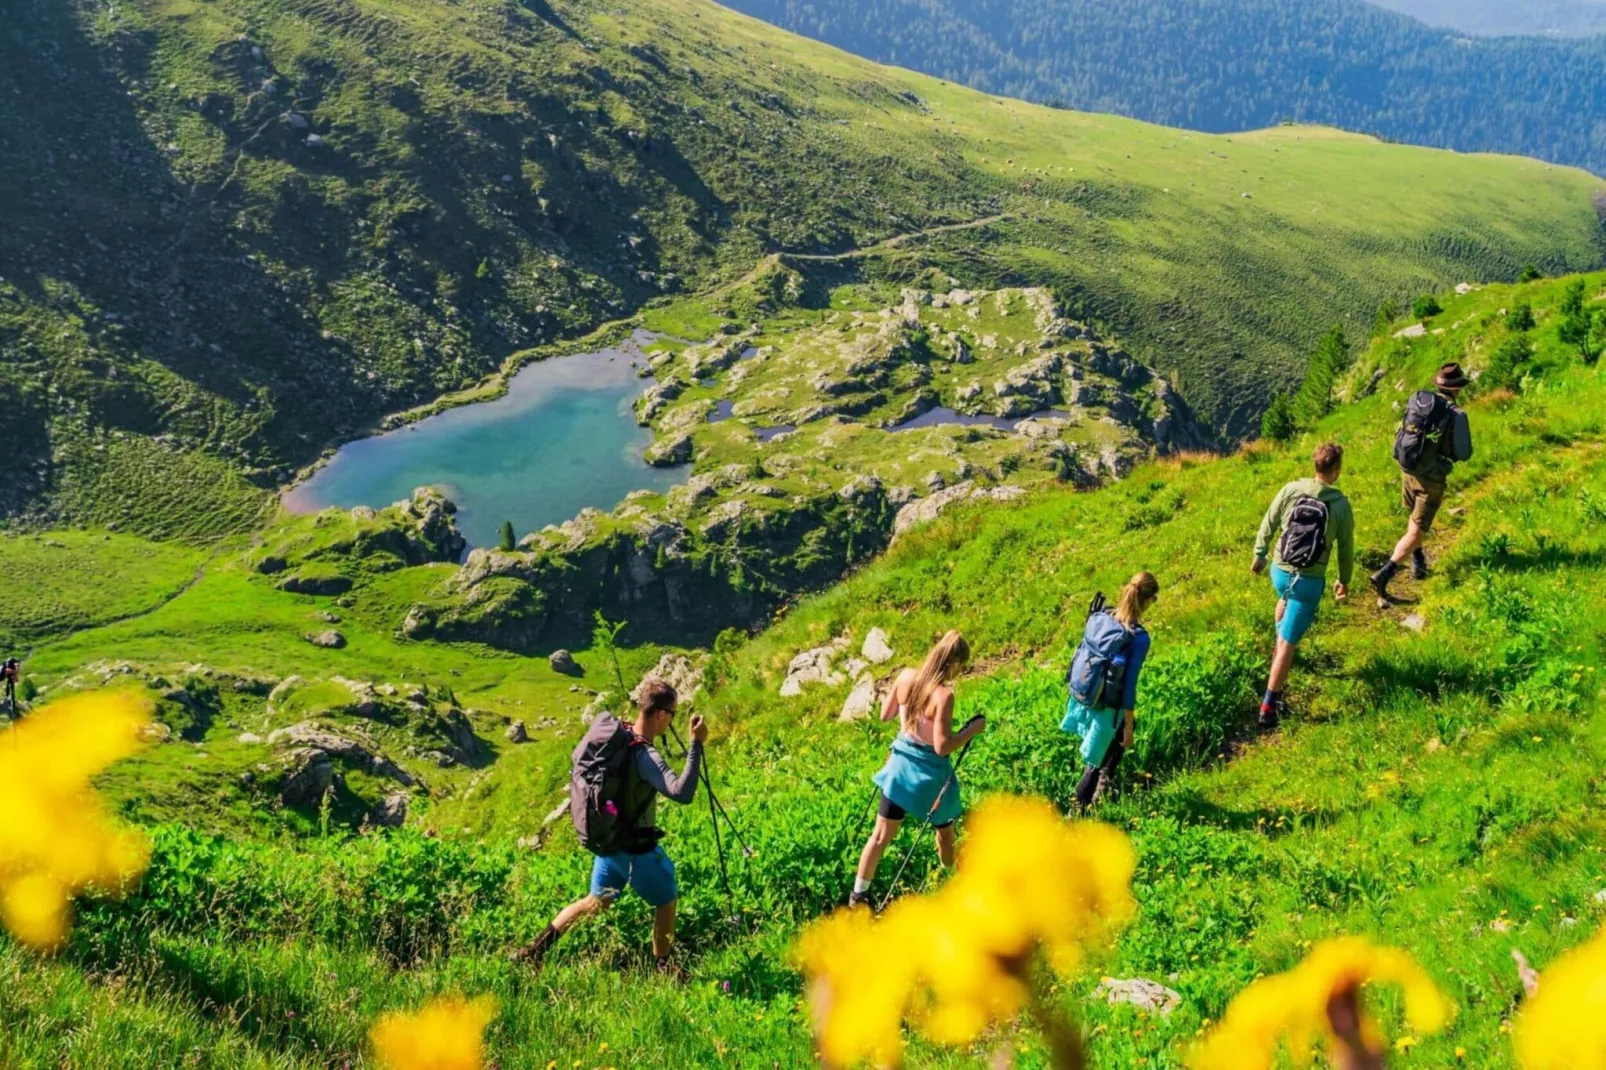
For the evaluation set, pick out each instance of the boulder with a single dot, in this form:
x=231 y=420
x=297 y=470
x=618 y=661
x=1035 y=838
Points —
x=860 y=701
x=563 y=661
x=1415 y=330
x=517 y=733
x=1148 y=996
x=296 y=583
x=391 y=811
x=813 y=667
x=329 y=640
x=876 y=649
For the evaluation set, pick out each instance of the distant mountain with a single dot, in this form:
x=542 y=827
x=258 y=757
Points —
x=1224 y=65
x=1566 y=18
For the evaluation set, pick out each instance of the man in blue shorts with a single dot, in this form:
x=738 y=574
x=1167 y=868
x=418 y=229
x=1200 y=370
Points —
x=643 y=866
x=1314 y=518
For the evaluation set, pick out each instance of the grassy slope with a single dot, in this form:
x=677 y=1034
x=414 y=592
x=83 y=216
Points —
x=1436 y=791
x=197 y=270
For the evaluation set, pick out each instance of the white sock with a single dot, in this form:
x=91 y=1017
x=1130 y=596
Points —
x=860 y=886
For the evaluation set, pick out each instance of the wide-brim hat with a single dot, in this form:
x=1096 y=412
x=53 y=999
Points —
x=1451 y=377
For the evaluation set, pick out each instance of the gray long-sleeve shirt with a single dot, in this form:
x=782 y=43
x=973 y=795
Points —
x=656 y=773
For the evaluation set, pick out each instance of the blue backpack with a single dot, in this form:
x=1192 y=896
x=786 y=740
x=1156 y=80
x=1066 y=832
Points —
x=1098 y=671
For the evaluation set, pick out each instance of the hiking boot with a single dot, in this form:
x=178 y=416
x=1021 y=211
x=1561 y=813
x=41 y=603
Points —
x=1419 y=565
x=861 y=899
x=1380 y=579
x=533 y=954
x=1270 y=717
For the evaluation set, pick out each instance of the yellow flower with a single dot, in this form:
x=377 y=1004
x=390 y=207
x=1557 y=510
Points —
x=448 y=1034
x=1565 y=1025
x=956 y=962
x=56 y=838
x=1292 y=1007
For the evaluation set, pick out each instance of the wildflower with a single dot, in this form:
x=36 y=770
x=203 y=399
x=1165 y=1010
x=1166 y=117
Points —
x=1296 y=1007
x=1565 y=1025
x=448 y=1034
x=57 y=838
x=958 y=961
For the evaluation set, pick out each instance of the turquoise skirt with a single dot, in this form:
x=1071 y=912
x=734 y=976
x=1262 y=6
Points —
x=918 y=779
x=1096 y=727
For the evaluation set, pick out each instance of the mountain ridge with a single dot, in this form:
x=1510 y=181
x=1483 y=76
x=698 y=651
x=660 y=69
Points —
x=1226 y=65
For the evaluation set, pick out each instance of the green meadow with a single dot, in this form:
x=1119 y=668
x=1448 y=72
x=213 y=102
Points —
x=1435 y=788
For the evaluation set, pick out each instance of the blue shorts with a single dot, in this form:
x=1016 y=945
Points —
x=652 y=875
x=1303 y=595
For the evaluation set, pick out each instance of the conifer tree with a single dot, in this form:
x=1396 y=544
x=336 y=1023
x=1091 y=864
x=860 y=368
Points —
x=508 y=542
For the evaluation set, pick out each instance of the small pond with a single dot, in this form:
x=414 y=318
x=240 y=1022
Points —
x=561 y=439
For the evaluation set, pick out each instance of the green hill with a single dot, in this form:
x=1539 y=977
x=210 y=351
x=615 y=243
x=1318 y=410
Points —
x=1564 y=17
x=243 y=231
x=1226 y=65
x=1435 y=790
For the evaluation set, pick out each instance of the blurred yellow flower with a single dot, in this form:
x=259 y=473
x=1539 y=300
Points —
x=958 y=961
x=448 y=1034
x=56 y=838
x=1292 y=1007
x=1564 y=1028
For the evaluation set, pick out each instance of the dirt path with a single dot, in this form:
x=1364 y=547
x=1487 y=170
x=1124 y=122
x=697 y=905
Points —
x=897 y=240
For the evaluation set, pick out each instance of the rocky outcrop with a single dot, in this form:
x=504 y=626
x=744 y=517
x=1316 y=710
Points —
x=391 y=811
x=814 y=667
x=928 y=509
x=680 y=672
x=309 y=762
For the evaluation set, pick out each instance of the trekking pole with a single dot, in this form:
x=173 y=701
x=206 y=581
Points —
x=715 y=808
x=953 y=779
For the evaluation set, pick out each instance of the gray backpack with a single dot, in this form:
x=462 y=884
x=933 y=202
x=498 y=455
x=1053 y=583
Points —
x=601 y=801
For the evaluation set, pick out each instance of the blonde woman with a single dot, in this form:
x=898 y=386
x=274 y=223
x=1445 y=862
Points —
x=919 y=777
x=1115 y=695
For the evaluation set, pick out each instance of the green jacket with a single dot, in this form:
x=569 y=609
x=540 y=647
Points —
x=1340 y=526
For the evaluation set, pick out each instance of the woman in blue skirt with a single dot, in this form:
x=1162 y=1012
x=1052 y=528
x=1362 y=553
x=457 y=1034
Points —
x=918 y=777
x=1107 y=732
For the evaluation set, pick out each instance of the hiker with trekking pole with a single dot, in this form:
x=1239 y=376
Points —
x=1315 y=518
x=919 y=778
x=9 y=674
x=618 y=775
x=1103 y=682
x=1434 y=434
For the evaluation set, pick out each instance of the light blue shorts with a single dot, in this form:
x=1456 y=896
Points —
x=1303 y=596
x=652 y=875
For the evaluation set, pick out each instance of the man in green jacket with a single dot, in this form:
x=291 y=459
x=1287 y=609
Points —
x=1315 y=518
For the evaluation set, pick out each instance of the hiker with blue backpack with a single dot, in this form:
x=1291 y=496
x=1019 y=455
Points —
x=613 y=801
x=1434 y=434
x=919 y=777
x=1103 y=682
x=1314 y=518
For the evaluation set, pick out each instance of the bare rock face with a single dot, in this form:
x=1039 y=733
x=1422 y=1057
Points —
x=308 y=776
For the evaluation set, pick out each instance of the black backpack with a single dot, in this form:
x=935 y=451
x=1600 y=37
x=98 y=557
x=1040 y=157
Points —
x=1419 y=443
x=604 y=789
x=1304 y=538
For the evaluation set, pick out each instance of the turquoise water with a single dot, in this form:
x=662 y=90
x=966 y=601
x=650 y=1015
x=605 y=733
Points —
x=561 y=439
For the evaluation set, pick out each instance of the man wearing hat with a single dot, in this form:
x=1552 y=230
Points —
x=1433 y=436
